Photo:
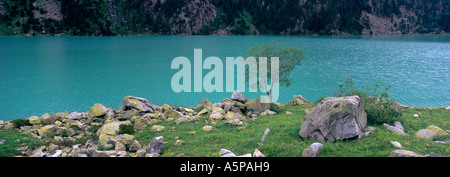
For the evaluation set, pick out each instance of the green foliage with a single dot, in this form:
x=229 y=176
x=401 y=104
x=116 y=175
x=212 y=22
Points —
x=319 y=100
x=126 y=129
x=20 y=123
x=289 y=59
x=275 y=108
x=376 y=103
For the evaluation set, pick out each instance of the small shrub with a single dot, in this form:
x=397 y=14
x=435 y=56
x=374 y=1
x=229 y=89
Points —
x=126 y=129
x=21 y=122
x=275 y=107
x=376 y=103
x=319 y=100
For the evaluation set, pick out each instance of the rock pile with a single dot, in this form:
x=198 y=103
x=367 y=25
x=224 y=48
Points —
x=104 y=132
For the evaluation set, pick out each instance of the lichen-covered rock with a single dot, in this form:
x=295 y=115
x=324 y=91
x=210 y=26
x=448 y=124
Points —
x=173 y=114
x=335 y=118
x=141 y=104
x=98 y=110
x=437 y=131
x=157 y=128
x=166 y=107
x=112 y=128
x=34 y=120
x=45 y=130
x=204 y=104
x=425 y=133
x=298 y=100
x=215 y=115
x=233 y=118
x=403 y=153
x=257 y=105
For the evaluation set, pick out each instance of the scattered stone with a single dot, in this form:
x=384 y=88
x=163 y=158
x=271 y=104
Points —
x=178 y=143
x=394 y=129
x=416 y=116
x=288 y=113
x=396 y=144
x=258 y=153
x=403 y=153
x=25 y=148
x=155 y=146
x=157 y=128
x=207 y=128
x=398 y=125
x=335 y=118
x=226 y=153
x=432 y=154
x=313 y=150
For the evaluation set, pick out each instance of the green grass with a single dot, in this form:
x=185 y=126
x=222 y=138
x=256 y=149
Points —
x=13 y=140
x=282 y=141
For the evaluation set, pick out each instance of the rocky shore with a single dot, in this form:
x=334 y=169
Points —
x=104 y=132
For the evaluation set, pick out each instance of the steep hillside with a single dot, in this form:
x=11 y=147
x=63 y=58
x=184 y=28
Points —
x=243 y=17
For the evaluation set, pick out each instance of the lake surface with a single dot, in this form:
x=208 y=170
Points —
x=55 y=74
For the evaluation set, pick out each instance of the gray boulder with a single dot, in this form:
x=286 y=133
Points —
x=335 y=118
x=313 y=150
x=238 y=96
x=155 y=146
x=141 y=104
x=396 y=129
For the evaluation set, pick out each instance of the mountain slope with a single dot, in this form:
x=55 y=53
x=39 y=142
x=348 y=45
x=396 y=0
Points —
x=242 y=17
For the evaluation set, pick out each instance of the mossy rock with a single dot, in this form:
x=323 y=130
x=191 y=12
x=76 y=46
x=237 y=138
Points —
x=257 y=105
x=173 y=114
x=98 y=110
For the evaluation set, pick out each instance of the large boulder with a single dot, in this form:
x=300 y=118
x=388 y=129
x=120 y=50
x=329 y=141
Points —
x=335 y=118
x=431 y=132
x=141 y=104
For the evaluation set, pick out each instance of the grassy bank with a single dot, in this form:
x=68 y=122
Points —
x=283 y=139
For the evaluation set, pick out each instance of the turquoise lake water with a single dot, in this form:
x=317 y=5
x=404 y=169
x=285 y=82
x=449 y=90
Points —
x=55 y=74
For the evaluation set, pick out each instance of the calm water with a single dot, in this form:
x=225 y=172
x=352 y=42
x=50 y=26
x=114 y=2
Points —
x=57 y=74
